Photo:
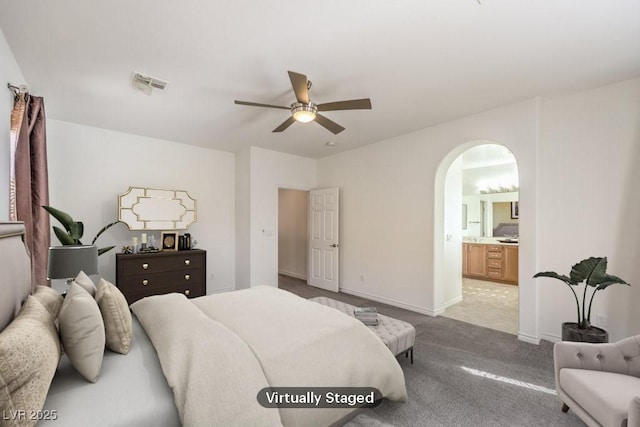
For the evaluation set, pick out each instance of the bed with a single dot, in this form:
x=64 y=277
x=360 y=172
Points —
x=238 y=344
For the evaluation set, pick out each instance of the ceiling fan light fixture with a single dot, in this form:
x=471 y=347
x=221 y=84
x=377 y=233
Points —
x=304 y=113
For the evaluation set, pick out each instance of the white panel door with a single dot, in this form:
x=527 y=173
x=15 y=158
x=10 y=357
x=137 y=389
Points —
x=323 y=239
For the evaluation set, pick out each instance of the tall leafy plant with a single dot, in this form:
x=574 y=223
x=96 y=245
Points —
x=74 y=230
x=593 y=272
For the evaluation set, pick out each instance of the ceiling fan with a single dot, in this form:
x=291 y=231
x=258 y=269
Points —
x=306 y=111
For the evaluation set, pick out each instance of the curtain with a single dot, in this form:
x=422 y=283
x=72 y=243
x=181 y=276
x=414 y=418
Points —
x=29 y=182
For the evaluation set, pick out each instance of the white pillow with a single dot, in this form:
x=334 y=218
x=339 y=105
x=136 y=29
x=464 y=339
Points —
x=86 y=283
x=116 y=316
x=82 y=332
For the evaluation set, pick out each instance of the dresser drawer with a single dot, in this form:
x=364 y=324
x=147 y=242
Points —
x=494 y=255
x=494 y=263
x=494 y=248
x=159 y=264
x=159 y=280
x=494 y=273
x=189 y=291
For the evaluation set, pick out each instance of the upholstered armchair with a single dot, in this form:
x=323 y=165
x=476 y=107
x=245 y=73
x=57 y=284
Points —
x=600 y=382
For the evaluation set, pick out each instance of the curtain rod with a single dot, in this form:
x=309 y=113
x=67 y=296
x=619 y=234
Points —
x=18 y=89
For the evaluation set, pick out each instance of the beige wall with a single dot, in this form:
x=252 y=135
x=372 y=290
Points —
x=292 y=232
x=572 y=206
x=89 y=167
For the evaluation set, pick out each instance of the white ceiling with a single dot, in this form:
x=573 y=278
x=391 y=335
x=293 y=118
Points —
x=421 y=62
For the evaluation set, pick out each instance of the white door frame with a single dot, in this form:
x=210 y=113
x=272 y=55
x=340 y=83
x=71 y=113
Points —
x=277 y=227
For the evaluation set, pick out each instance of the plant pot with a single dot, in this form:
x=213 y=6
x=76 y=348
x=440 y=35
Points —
x=592 y=334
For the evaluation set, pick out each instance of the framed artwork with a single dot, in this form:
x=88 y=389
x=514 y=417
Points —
x=169 y=241
x=515 y=212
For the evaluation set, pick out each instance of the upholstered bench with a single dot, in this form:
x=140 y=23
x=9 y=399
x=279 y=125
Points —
x=397 y=335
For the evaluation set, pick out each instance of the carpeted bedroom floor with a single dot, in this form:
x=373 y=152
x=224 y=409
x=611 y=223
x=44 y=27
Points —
x=463 y=375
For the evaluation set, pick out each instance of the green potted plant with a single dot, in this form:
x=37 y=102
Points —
x=593 y=272
x=73 y=230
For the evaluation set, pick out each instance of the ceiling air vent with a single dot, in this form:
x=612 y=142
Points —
x=147 y=83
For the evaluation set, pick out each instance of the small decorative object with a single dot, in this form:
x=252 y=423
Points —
x=127 y=250
x=152 y=242
x=367 y=315
x=143 y=242
x=134 y=245
x=592 y=271
x=194 y=244
x=169 y=241
x=187 y=241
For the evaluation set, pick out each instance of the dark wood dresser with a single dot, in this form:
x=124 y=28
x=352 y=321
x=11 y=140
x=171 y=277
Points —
x=143 y=275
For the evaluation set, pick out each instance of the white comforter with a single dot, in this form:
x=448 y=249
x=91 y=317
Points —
x=218 y=351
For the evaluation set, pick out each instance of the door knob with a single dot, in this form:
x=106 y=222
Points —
x=335 y=245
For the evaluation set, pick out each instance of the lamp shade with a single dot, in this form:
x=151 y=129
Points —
x=67 y=261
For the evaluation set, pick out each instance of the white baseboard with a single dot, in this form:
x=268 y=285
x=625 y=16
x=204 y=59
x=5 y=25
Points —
x=439 y=311
x=528 y=338
x=292 y=274
x=394 y=303
x=450 y=303
x=551 y=337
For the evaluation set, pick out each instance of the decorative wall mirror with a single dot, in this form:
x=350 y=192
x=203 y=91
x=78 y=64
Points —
x=155 y=209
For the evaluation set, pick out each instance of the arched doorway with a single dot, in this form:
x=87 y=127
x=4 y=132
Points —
x=447 y=273
x=483 y=181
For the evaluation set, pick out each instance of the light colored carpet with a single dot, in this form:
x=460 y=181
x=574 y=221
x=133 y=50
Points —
x=463 y=375
x=488 y=304
x=364 y=420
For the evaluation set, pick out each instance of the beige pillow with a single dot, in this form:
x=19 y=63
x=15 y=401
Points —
x=116 y=315
x=86 y=283
x=82 y=332
x=29 y=356
x=50 y=299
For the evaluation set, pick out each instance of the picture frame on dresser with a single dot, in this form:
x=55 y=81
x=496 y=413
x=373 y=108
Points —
x=169 y=241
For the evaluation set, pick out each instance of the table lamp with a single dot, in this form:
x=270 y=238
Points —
x=65 y=262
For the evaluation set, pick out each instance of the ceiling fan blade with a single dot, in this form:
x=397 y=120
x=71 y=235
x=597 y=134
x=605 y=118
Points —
x=256 y=104
x=285 y=124
x=329 y=124
x=353 y=104
x=300 y=86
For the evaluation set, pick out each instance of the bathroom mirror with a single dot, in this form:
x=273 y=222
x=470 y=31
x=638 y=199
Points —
x=156 y=209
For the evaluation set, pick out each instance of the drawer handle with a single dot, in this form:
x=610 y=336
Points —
x=187 y=277
x=145 y=282
x=145 y=266
x=187 y=261
x=186 y=292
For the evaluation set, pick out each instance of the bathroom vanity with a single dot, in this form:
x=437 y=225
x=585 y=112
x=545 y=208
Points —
x=493 y=261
